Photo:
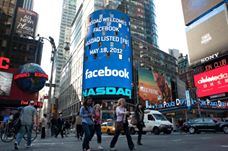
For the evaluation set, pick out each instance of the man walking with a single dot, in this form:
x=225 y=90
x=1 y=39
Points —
x=27 y=118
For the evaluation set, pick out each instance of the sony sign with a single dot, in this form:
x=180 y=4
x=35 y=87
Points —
x=208 y=58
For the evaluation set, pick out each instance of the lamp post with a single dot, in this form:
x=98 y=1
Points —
x=53 y=54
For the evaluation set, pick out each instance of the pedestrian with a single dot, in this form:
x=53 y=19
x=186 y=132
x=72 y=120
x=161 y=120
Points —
x=27 y=119
x=43 y=126
x=79 y=129
x=60 y=126
x=97 y=124
x=87 y=113
x=121 y=124
x=139 y=115
x=66 y=127
x=54 y=124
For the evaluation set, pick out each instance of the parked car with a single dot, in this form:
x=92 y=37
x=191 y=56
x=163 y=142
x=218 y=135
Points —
x=108 y=127
x=205 y=124
x=155 y=122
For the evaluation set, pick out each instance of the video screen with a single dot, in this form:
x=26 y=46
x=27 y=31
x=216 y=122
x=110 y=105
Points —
x=5 y=83
x=212 y=82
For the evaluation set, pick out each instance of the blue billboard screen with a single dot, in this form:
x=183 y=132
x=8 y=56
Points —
x=108 y=54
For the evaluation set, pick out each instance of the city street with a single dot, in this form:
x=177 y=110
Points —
x=173 y=142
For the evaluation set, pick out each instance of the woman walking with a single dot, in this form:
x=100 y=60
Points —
x=139 y=115
x=97 y=124
x=87 y=113
x=121 y=124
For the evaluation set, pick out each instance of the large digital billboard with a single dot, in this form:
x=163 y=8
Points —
x=207 y=37
x=107 y=68
x=212 y=82
x=193 y=9
x=153 y=86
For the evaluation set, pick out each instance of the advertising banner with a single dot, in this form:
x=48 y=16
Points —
x=153 y=86
x=193 y=9
x=107 y=68
x=207 y=38
x=212 y=82
x=26 y=22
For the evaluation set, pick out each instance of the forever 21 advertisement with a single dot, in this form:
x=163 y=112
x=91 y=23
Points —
x=107 y=69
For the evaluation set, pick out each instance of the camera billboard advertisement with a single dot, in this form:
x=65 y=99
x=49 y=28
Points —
x=5 y=83
x=153 y=86
x=193 y=9
x=212 y=82
x=107 y=68
x=26 y=22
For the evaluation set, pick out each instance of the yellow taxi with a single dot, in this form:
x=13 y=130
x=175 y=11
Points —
x=108 y=127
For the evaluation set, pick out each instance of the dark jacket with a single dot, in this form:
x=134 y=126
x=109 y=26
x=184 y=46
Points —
x=137 y=116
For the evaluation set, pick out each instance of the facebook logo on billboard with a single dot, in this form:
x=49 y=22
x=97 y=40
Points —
x=108 y=54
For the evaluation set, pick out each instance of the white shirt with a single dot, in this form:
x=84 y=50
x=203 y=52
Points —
x=120 y=114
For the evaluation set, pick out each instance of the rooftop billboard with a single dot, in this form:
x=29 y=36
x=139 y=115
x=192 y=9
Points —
x=26 y=22
x=193 y=9
x=207 y=37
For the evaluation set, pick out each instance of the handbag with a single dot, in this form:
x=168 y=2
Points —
x=134 y=120
x=119 y=125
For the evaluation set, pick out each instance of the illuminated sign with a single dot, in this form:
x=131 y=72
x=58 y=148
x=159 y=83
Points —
x=209 y=57
x=183 y=103
x=25 y=75
x=108 y=54
x=212 y=82
x=4 y=63
x=219 y=63
x=107 y=91
x=36 y=104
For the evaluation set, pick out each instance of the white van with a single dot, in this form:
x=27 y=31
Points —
x=155 y=122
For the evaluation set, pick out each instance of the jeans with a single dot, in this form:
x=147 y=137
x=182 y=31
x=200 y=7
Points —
x=43 y=134
x=22 y=131
x=97 y=129
x=89 y=131
x=128 y=136
x=79 y=131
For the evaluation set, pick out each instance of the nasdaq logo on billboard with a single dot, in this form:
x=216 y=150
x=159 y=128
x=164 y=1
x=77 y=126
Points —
x=107 y=68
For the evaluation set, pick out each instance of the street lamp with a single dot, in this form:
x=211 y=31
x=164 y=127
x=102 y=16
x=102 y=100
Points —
x=53 y=54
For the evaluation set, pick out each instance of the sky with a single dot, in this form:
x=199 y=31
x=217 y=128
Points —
x=169 y=20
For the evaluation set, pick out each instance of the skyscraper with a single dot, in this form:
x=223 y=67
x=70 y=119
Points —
x=68 y=14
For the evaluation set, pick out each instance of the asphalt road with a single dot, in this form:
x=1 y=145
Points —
x=173 y=142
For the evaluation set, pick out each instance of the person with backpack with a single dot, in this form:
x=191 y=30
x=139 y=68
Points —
x=27 y=119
